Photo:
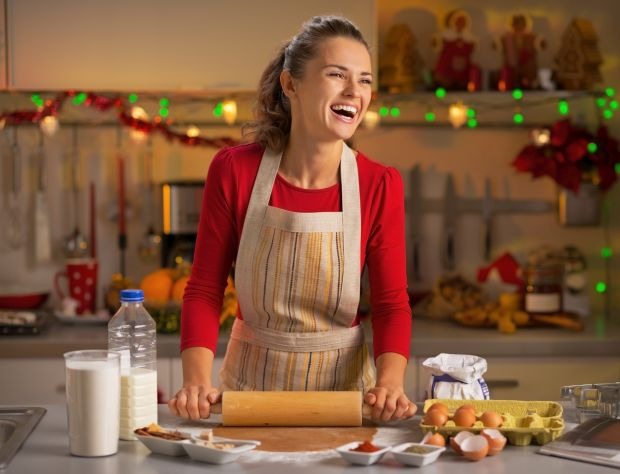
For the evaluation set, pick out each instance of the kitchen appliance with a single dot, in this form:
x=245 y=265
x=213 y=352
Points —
x=181 y=202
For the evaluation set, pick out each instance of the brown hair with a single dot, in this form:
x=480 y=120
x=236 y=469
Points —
x=272 y=125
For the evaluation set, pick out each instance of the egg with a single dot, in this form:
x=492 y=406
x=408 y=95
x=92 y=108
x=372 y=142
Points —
x=435 y=439
x=467 y=407
x=475 y=447
x=496 y=440
x=464 y=418
x=438 y=406
x=491 y=419
x=435 y=418
x=456 y=440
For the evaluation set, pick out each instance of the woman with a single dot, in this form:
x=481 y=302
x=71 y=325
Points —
x=301 y=215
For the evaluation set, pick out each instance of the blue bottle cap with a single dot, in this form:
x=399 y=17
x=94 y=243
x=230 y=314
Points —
x=132 y=295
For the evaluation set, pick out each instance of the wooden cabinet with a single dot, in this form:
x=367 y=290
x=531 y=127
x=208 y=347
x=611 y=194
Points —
x=42 y=381
x=529 y=378
x=146 y=45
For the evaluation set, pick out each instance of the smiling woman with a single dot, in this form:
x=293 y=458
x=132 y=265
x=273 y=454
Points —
x=301 y=215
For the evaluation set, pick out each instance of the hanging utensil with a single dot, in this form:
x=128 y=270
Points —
x=13 y=226
x=42 y=238
x=487 y=219
x=150 y=245
x=450 y=213
x=76 y=245
x=122 y=231
x=415 y=221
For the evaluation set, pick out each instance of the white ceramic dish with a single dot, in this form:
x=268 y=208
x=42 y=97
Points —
x=164 y=446
x=358 y=457
x=198 y=451
x=417 y=459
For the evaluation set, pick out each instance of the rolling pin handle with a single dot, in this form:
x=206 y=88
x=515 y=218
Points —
x=366 y=411
x=216 y=409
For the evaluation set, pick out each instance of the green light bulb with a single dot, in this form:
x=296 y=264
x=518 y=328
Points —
x=429 y=116
x=472 y=123
x=610 y=92
x=132 y=98
x=471 y=113
x=608 y=114
x=601 y=287
x=440 y=92
x=613 y=105
x=601 y=102
x=218 y=110
x=563 y=108
x=517 y=94
x=35 y=98
x=606 y=252
x=79 y=98
x=617 y=168
x=164 y=112
x=384 y=111
x=518 y=118
x=164 y=102
x=395 y=112
x=592 y=147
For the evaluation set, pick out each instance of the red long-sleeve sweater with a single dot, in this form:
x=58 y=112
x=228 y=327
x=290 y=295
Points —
x=225 y=201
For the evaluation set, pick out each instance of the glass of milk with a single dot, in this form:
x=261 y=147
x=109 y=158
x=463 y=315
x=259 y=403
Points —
x=93 y=401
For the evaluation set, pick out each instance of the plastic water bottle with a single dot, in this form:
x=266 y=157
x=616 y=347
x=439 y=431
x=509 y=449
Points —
x=131 y=332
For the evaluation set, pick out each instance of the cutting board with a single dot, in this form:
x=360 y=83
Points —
x=293 y=439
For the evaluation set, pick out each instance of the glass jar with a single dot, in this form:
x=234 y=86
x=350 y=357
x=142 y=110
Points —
x=543 y=287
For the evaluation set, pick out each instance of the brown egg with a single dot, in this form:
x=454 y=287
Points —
x=496 y=440
x=467 y=407
x=435 y=418
x=435 y=439
x=456 y=440
x=464 y=418
x=438 y=406
x=491 y=419
x=475 y=447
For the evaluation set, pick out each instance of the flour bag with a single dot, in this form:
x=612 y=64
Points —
x=456 y=376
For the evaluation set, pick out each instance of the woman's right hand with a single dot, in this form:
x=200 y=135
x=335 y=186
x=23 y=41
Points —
x=193 y=402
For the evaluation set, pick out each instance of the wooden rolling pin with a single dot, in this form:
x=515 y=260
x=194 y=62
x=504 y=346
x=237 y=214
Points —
x=291 y=408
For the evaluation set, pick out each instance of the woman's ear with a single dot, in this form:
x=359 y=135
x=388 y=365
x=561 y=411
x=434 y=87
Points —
x=287 y=82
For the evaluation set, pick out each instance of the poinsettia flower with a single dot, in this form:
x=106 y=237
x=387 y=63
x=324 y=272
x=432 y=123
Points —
x=607 y=176
x=569 y=177
x=560 y=131
x=577 y=150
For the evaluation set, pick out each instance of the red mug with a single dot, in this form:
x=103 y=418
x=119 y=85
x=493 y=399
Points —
x=81 y=275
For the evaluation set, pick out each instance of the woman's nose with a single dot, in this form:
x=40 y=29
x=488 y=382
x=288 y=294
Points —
x=352 y=88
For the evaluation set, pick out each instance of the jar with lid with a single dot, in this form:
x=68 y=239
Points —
x=543 y=287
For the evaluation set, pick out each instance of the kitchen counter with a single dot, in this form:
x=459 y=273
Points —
x=47 y=450
x=428 y=338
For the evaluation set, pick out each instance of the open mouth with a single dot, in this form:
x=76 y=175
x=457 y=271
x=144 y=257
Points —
x=347 y=111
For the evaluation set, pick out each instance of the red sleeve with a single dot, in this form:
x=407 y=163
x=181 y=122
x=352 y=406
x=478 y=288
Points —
x=386 y=260
x=214 y=252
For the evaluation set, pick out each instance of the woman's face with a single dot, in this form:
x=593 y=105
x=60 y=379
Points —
x=330 y=100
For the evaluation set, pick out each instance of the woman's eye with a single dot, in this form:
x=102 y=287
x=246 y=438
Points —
x=337 y=74
x=366 y=81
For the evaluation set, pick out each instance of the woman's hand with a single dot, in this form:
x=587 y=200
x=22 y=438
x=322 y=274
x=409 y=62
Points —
x=389 y=403
x=194 y=401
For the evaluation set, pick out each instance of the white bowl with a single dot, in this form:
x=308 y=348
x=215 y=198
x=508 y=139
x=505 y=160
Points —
x=198 y=451
x=417 y=459
x=168 y=447
x=359 y=457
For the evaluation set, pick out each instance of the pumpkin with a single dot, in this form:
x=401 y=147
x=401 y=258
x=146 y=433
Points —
x=157 y=286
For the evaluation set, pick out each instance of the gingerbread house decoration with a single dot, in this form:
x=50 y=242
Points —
x=579 y=59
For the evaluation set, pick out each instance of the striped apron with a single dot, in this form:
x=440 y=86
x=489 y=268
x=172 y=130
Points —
x=298 y=283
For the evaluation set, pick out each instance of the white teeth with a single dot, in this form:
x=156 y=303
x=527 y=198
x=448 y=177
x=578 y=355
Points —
x=347 y=108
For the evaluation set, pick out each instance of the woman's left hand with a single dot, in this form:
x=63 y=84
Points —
x=389 y=403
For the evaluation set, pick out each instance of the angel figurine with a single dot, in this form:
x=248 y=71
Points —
x=456 y=45
x=519 y=48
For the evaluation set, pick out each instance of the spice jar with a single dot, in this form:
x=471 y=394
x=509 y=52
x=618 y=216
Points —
x=543 y=287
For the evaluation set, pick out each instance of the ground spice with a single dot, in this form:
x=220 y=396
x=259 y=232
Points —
x=366 y=447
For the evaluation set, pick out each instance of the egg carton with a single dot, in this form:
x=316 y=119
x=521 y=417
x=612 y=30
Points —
x=524 y=422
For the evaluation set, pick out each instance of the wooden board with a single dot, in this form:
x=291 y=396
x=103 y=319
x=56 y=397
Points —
x=291 y=439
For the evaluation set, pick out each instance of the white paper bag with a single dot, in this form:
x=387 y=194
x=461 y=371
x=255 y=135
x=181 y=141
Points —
x=456 y=376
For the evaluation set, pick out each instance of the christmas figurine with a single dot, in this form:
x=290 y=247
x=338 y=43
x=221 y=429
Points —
x=579 y=59
x=454 y=68
x=519 y=48
x=400 y=65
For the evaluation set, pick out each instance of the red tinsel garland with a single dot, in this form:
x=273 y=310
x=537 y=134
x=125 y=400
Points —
x=103 y=103
x=567 y=160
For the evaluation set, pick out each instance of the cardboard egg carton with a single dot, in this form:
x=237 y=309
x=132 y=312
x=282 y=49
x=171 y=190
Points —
x=524 y=422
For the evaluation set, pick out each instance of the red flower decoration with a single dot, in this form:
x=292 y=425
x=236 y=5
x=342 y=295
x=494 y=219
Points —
x=569 y=156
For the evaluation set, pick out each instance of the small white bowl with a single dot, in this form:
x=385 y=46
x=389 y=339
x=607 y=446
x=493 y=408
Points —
x=417 y=459
x=198 y=451
x=168 y=447
x=359 y=457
